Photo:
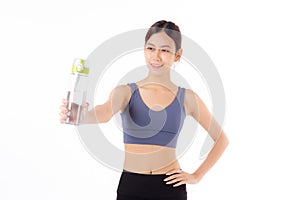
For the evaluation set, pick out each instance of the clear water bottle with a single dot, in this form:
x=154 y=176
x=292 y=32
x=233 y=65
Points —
x=76 y=96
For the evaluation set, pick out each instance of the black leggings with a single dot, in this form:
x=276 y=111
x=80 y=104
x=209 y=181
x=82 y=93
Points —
x=133 y=186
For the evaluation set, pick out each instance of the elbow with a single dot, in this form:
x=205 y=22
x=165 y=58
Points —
x=225 y=140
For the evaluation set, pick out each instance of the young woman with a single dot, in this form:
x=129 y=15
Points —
x=152 y=112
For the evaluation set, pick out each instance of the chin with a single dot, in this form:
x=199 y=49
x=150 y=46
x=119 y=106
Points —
x=158 y=70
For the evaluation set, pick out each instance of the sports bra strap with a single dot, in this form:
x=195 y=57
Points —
x=132 y=86
x=181 y=93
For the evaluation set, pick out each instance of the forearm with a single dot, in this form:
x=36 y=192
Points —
x=213 y=156
x=96 y=115
x=89 y=117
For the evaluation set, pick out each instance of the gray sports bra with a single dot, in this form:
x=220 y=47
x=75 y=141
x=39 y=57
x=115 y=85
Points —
x=142 y=125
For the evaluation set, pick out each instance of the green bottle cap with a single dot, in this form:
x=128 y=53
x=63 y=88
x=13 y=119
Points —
x=80 y=67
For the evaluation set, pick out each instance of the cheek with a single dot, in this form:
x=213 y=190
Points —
x=146 y=56
x=168 y=58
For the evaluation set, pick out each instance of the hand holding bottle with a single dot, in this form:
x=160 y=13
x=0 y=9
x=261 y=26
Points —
x=67 y=114
x=72 y=108
x=63 y=111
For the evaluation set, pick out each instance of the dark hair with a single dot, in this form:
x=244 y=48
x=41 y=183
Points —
x=171 y=29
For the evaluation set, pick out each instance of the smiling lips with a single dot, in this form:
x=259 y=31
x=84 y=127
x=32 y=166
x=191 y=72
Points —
x=156 y=65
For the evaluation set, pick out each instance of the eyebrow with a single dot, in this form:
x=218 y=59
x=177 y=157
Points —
x=166 y=45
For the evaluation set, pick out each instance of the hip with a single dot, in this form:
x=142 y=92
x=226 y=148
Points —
x=149 y=186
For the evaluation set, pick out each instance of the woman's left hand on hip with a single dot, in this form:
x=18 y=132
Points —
x=180 y=177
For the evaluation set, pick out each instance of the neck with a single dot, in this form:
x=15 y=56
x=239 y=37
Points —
x=164 y=79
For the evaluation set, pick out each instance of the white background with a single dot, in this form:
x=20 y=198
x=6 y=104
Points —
x=255 y=46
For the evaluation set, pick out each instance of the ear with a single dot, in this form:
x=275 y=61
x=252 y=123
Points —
x=178 y=55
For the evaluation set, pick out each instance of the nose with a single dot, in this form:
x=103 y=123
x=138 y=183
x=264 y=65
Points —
x=156 y=55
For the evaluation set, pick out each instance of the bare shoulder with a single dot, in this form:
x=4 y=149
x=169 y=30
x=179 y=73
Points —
x=189 y=94
x=120 y=97
x=121 y=92
x=191 y=102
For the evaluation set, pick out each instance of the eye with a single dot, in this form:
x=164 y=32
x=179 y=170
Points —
x=150 y=48
x=165 y=50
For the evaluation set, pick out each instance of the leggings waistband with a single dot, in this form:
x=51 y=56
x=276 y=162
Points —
x=150 y=186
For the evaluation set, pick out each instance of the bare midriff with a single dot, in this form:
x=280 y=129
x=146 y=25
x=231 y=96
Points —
x=150 y=159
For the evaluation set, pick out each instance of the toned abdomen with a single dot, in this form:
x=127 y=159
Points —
x=150 y=159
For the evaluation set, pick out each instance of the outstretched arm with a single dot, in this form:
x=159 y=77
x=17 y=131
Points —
x=117 y=101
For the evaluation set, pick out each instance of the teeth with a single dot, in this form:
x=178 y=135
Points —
x=154 y=65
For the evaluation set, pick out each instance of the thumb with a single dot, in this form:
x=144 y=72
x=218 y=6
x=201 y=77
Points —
x=85 y=105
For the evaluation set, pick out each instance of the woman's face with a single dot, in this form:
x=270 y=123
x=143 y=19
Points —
x=160 y=52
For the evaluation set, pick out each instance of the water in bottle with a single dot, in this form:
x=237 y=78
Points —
x=76 y=95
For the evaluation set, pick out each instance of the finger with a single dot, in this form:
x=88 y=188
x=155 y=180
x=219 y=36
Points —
x=64 y=101
x=63 y=108
x=176 y=180
x=173 y=177
x=180 y=183
x=62 y=113
x=171 y=182
x=63 y=117
x=174 y=171
x=86 y=105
